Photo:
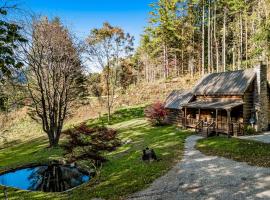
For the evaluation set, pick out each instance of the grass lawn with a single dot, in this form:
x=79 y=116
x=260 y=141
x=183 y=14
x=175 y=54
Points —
x=252 y=152
x=123 y=174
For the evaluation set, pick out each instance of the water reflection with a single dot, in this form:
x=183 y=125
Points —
x=51 y=178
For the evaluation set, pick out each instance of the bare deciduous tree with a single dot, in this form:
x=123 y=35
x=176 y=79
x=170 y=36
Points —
x=53 y=71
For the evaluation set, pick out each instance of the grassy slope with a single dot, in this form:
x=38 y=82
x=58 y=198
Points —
x=19 y=127
x=125 y=173
x=252 y=152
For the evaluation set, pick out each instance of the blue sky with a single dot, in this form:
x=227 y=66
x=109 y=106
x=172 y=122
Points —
x=83 y=15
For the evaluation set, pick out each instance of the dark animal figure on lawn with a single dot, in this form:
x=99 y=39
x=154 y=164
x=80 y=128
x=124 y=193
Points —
x=149 y=154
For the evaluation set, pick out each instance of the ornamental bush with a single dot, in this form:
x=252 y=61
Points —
x=249 y=130
x=89 y=143
x=156 y=113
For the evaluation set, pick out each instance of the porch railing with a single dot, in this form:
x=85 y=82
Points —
x=234 y=128
x=199 y=127
x=237 y=128
x=191 y=122
x=210 y=128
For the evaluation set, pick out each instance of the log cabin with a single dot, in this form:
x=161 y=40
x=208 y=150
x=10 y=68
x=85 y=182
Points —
x=223 y=103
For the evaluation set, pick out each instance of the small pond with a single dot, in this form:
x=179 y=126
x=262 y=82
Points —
x=46 y=178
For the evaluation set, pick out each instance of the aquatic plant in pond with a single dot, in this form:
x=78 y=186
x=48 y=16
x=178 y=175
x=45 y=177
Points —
x=46 y=178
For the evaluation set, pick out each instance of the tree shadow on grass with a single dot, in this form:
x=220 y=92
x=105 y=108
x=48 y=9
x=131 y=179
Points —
x=28 y=152
x=15 y=194
x=126 y=173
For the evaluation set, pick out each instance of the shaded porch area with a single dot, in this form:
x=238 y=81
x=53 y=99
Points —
x=214 y=117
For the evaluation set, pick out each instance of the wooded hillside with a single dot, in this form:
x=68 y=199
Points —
x=182 y=41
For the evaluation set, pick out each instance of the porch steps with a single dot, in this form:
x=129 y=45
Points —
x=206 y=133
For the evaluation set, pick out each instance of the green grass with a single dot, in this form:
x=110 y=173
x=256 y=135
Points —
x=252 y=152
x=34 y=151
x=31 y=151
x=124 y=173
x=121 y=115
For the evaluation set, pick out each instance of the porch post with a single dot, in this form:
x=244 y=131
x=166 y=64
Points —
x=228 y=121
x=216 y=120
x=185 y=117
x=199 y=114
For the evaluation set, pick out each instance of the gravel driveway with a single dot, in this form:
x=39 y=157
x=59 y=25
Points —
x=200 y=177
x=265 y=137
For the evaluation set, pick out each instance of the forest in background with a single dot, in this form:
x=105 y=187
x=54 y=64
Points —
x=203 y=36
x=196 y=37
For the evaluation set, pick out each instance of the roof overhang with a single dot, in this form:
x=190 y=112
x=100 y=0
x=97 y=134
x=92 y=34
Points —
x=177 y=98
x=223 y=105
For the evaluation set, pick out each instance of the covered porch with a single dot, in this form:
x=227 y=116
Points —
x=214 y=117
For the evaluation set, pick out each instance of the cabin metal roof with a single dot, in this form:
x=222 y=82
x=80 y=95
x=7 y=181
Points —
x=177 y=99
x=225 y=83
x=217 y=104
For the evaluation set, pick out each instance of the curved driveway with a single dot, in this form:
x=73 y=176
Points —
x=199 y=177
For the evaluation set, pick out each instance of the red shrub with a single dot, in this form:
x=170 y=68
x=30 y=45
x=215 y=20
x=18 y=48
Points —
x=91 y=141
x=156 y=113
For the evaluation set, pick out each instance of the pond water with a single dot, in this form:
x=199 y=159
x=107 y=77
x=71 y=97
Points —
x=46 y=178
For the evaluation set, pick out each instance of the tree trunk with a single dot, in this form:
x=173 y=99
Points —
x=182 y=53
x=209 y=37
x=246 y=35
x=216 y=41
x=54 y=137
x=167 y=62
x=109 y=113
x=211 y=41
x=239 y=58
x=224 y=39
x=192 y=55
x=165 y=59
x=108 y=94
x=175 y=64
x=182 y=59
x=241 y=38
x=203 y=38
x=233 y=56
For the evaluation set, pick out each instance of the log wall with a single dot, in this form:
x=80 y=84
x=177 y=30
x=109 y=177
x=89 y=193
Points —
x=248 y=107
x=174 y=116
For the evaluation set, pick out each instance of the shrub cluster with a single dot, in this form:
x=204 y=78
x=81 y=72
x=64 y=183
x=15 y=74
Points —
x=156 y=113
x=249 y=130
